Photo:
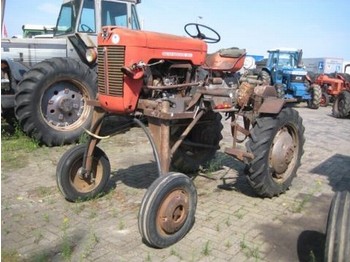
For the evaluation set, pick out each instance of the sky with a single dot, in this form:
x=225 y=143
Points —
x=320 y=27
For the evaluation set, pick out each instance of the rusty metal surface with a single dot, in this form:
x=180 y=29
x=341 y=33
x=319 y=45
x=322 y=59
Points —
x=238 y=153
x=173 y=211
x=271 y=105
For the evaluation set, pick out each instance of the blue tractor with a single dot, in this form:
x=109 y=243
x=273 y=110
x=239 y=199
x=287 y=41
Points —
x=285 y=71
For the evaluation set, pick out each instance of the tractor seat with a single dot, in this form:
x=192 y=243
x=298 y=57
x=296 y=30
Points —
x=228 y=59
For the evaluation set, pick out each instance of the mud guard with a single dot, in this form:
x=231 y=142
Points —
x=271 y=105
x=17 y=69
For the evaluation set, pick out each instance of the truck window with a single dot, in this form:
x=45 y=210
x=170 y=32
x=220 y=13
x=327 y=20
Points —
x=134 y=19
x=67 y=18
x=114 y=13
x=87 y=18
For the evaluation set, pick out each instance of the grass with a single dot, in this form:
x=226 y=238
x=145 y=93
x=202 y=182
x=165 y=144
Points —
x=15 y=145
x=66 y=245
x=250 y=252
x=300 y=204
x=10 y=256
x=206 y=249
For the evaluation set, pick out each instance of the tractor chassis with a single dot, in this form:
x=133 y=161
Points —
x=158 y=132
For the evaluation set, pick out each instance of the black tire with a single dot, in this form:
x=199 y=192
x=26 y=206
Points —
x=277 y=144
x=316 y=94
x=337 y=247
x=167 y=211
x=188 y=158
x=265 y=77
x=280 y=90
x=51 y=101
x=324 y=99
x=68 y=180
x=341 y=105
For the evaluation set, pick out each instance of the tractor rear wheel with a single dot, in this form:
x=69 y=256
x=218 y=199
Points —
x=337 y=246
x=167 y=211
x=51 y=103
x=277 y=145
x=199 y=146
x=316 y=94
x=341 y=105
x=76 y=186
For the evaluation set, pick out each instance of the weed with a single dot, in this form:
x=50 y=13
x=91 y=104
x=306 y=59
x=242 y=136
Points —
x=299 y=205
x=228 y=222
x=41 y=258
x=38 y=237
x=206 y=250
x=148 y=258
x=214 y=165
x=83 y=139
x=173 y=252
x=121 y=225
x=218 y=227
x=10 y=255
x=249 y=251
x=238 y=214
x=66 y=245
x=46 y=218
x=228 y=244
x=43 y=191
x=15 y=147
x=92 y=242
x=93 y=214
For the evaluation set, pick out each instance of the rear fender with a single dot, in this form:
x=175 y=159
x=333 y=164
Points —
x=271 y=104
x=14 y=69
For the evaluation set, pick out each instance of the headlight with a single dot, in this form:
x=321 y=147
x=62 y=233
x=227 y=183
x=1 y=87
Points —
x=91 y=55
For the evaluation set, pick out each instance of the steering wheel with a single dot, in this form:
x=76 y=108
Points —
x=86 y=28
x=200 y=28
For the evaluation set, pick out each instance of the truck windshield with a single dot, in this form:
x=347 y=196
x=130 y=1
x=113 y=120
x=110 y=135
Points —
x=114 y=13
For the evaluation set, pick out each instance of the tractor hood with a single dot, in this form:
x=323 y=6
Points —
x=155 y=45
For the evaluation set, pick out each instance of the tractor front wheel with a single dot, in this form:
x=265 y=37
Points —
x=167 y=211
x=324 y=99
x=316 y=94
x=74 y=184
x=341 y=105
x=277 y=145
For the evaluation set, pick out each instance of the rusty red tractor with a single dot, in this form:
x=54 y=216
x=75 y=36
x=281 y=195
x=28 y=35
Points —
x=183 y=92
x=332 y=85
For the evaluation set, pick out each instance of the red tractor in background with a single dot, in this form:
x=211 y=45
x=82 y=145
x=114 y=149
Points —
x=183 y=92
x=335 y=89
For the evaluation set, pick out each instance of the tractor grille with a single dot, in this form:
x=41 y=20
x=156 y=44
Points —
x=110 y=76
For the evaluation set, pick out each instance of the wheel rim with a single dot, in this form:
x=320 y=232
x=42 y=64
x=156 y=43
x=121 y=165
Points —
x=83 y=184
x=283 y=154
x=63 y=105
x=173 y=212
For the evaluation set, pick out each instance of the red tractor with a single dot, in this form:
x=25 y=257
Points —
x=183 y=92
x=332 y=85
